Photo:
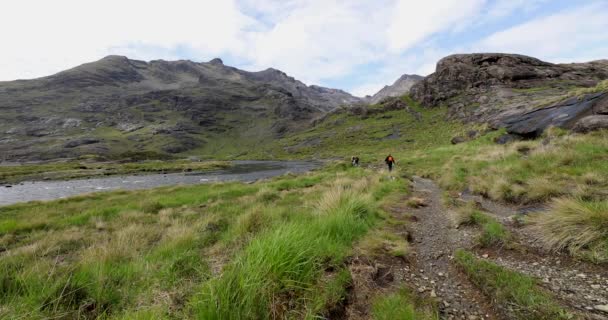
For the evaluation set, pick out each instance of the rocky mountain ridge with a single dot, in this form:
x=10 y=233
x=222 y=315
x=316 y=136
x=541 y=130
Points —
x=117 y=104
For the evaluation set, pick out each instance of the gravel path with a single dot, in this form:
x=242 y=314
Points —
x=435 y=240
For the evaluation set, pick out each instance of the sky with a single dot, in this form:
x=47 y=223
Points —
x=355 y=45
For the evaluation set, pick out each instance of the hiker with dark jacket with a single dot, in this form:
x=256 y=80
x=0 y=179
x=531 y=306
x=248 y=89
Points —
x=390 y=161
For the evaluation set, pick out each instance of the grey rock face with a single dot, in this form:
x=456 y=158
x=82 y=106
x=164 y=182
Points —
x=564 y=115
x=398 y=88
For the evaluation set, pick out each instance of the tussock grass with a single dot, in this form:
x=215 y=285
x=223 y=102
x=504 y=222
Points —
x=380 y=242
x=576 y=225
x=284 y=263
x=513 y=290
x=523 y=172
x=403 y=305
x=493 y=232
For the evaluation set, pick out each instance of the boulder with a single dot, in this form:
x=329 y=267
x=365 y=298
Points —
x=591 y=123
x=457 y=140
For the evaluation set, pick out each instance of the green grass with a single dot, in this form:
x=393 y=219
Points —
x=158 y=253
x=403 y=305
x=518 y=292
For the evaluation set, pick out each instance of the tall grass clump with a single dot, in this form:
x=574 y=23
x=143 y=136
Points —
x=493 y=232
x=274 y=273
x=576 y=225
x=403 y=305
x=524 y=298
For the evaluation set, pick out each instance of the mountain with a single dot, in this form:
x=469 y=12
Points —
x=118 y=105
x=522 y=94
x=398 y=88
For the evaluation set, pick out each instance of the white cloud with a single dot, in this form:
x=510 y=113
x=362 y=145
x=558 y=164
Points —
x=568 y=33
x=48 y=36
x=316 y=41
x=320 y=39
x=414 y=21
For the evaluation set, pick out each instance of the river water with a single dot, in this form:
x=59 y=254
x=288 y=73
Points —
x=244 y=171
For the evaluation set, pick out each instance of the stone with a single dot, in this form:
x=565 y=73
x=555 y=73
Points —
x=591 y=123
x=457 y=140
x=507 y=138
x=79 y=142
x=602 y=307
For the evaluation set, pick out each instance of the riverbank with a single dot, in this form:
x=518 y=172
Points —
x=15 y=173
x=244 y=171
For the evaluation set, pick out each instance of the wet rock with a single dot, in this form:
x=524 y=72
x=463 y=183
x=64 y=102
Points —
x=563 y=114
x=80 y=142
x=507 y=138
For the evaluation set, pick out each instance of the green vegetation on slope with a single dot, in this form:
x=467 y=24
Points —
x=260 y=250
x=370 y=135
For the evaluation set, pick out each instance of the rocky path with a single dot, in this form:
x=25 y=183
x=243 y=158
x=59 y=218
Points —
x=435 y=239
x=581 y=286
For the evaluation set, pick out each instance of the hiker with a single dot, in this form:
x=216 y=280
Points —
x=354 y=161
x=390 y=161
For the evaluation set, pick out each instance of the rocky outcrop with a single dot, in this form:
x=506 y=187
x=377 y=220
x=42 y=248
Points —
x=523 y=94
x=457 y=74
x=398 y=88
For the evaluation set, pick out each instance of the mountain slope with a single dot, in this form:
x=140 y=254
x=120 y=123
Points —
x=116 y=105
x=400 y=87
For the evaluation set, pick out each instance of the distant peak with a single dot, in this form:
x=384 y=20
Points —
x=114 y=58
x=217 y=61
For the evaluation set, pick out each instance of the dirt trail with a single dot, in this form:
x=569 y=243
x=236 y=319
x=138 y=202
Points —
x=429 y=271
x=435 y=239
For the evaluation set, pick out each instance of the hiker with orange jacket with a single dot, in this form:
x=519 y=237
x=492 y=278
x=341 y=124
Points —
x=390 y=161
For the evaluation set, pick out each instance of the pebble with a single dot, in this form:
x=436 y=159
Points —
x=595 y=286
x=581 y=275
x=602 y=307
x=485 y=256
x=433 y=294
